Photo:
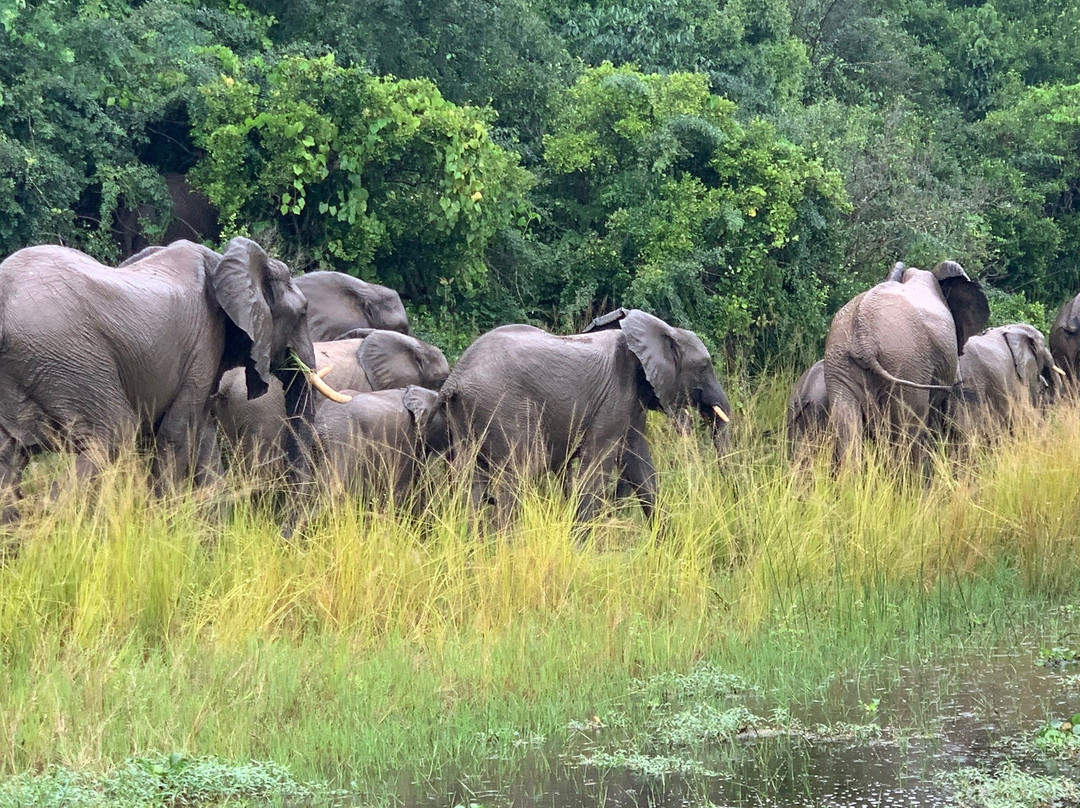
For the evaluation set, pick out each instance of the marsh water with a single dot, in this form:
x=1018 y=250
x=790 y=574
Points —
x=888 y=737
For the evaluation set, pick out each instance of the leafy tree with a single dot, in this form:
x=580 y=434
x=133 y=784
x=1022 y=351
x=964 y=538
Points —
x=374 y=176
x=1033 y=150
x=660 y=198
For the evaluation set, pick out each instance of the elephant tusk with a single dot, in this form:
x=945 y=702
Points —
x=1059 y=371
x=321 y=372
x=723 y=416
x=316 y=381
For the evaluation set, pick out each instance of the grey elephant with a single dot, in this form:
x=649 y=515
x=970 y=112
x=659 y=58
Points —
x=892 y=355
x=374 y=444
x=528 y=401
x=807 y=414
x=339 y=303
x=93 y=357
x=1065 y=342
x=1006 y=373
x=373 y=359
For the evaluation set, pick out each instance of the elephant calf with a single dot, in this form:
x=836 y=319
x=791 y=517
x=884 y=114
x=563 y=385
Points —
x=374 y=444
x=529 y=401
x=1006 y=373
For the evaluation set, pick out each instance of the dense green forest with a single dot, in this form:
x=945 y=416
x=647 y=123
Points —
x=736 y=167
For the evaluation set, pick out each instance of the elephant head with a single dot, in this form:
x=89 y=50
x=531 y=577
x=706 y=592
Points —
x=966 y=301
x=389 y=359
x=677 y=367
x=341 y=303
x=430 y=420
x=1033 y=363
x=1065 y=340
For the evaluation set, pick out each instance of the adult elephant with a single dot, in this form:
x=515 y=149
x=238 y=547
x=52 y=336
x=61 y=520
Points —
x=370 y=359
x=339 y=303
x=892 y=352
x=375 y=443
x=807 y=415
x=1006 y=373
x=1065 y=342
x=92 y=357
x=529 y=401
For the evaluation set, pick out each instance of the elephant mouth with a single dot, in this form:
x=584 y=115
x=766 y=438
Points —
x=714 y=407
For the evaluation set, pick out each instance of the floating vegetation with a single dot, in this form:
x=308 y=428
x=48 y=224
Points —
x=1008 y=787
x=651 y=766
x=1056 y=657
x=1060 y=739
x=703 y=724
x=703 y=683
x=158 y=780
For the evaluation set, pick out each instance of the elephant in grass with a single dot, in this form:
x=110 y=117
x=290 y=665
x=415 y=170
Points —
x=93 y=358
x=338 y=303
x=367 y=360
x=375 y=443
x=1065 y=342
x=807 y=415
x=528 y=401
x=1005 y=373
x=892 y=355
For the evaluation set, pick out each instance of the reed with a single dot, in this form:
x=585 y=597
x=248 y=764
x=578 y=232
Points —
x=381 y=643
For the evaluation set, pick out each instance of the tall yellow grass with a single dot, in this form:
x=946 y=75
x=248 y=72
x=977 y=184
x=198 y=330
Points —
x=378 y=640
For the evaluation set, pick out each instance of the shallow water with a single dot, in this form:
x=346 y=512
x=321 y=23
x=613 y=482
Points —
x=931 y=718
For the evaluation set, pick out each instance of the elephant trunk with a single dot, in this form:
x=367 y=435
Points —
x=298 y=438
x=715 y=408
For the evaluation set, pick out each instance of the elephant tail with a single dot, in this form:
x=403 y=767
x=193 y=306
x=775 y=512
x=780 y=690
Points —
x=874 y=365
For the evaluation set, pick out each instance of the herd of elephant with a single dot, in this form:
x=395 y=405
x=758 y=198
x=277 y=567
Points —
x=184 y=350
x=909 y=360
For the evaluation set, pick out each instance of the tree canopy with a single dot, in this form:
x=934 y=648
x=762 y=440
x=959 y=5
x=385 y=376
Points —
x=740 y=168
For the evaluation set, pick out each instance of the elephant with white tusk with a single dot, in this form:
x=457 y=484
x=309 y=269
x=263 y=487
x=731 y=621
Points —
x=528 y=401
x=1065 y=343
x=1007 y=373
x=92 y=357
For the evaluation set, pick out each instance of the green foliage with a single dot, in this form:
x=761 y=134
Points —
x=156 y=779
x=374 y=176
x=1032 y=150
x=1008 y=308
x=662 y=200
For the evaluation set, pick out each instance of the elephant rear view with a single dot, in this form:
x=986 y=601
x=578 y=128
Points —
x=338 y=303
x=92 y=356
x=892 y=353
x=1065 y=342
x=528 y=401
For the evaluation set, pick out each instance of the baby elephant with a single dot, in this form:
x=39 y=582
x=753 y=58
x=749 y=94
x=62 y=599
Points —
x=373 y=445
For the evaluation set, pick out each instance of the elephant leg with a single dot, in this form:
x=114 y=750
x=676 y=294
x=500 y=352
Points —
x=179 y=443
x=848 y=424
x=13 y=460
x=593 y=477
x=638 y=475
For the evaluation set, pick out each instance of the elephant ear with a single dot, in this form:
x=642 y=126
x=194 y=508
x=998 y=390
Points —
x=238 y=280
x=1023 y=350
x=419 y=402
x=429 y=417
x=653 y=343
x=965 y=299
x=380 y=355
